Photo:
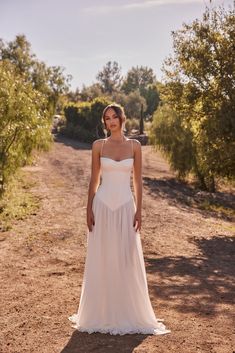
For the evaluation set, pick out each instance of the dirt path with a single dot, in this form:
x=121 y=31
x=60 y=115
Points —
x=189 y=257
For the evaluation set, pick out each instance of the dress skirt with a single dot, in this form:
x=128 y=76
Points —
x=114 y=294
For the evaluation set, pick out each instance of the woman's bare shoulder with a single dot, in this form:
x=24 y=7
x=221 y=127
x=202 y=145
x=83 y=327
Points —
x=136 y=143
x=97 y=143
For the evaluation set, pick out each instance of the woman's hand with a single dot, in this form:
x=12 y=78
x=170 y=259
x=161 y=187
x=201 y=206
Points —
x=90 y=219
x=137 y=221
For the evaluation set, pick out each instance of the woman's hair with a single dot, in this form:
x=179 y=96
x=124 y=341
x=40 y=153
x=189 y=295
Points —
x=118 y=110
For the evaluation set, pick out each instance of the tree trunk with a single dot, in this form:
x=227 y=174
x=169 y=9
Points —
x=141 y=120
x=210 y=181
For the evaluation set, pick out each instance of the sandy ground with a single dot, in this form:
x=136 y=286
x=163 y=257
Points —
x=189 y=258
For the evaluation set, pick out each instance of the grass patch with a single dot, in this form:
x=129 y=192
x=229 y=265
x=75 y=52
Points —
x=210 y=205
x=230 y=228
x=17 y=202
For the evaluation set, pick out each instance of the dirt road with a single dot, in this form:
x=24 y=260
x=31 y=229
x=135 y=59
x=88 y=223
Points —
x=189 y=258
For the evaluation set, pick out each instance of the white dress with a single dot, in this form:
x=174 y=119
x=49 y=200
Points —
x=114 y=294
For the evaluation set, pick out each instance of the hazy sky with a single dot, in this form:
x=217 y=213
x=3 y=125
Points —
x=83 y=35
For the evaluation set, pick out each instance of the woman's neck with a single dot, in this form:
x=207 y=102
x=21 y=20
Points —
x=117 y=136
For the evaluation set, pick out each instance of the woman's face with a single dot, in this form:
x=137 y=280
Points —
x=112 y=120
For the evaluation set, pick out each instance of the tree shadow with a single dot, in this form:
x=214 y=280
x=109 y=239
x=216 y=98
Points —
x=202 y=283
x=83 y=342
x=67 y=141
x=179 y=193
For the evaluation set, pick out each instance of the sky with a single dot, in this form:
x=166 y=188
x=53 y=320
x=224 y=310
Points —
x=83 y=35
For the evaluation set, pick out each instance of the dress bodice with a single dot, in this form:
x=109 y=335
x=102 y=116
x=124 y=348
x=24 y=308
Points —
x=115 y=188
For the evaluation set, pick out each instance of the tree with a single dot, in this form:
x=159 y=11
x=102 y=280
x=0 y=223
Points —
x=174 y=140
x=24 y=121
x=134 y=102
x=138 y=78
x=142 y=79
x=83 y=119
x=200 y=89
x=152 y=97
x=88 y=93
x=18 y=52
x=58 y=84
x=48 y=80
x=74 y=96
x=110 y=77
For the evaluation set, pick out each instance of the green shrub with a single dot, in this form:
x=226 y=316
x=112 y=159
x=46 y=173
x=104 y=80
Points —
x=83 y=120
x=24 y=121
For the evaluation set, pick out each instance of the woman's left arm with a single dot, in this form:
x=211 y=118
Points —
x=137 y=183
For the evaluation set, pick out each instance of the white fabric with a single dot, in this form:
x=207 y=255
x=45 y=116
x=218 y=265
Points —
x=114 y=294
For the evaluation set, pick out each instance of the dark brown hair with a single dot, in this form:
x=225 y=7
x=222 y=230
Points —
x=118 y=110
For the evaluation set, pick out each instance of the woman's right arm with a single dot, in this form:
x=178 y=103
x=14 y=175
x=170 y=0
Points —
x=94 y=181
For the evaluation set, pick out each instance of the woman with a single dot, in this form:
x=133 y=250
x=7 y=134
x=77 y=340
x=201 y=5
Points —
x=114 y=295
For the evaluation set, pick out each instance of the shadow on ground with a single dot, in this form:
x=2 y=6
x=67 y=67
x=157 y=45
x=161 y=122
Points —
x=82 y=342
x=78 y=145
x=179 y=193
x=201 y=283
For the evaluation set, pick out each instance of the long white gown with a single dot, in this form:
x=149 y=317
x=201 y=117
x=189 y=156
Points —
x=114 y=294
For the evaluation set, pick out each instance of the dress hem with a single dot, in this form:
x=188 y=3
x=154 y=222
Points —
x=161 y=330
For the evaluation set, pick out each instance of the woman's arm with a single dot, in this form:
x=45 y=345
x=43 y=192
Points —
x=137 y=183
x=94 y=181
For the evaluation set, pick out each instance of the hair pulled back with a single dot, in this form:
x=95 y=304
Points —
x=118 y=110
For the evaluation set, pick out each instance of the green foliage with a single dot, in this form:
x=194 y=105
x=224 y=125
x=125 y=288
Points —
x=132 y=124
x=141 y=80
x=120 y=98
x=18 y=52
x=29 y=95
x=168 y=134
x=83 y=120
x=24 y=122
x=152 y=98
x=134 y=101
x=200 y=90
x=50 y=81
x=17 y=202
x=134 y=104
x=138 y=88
x=110 y=77
x=138 y=78
x=91 y=92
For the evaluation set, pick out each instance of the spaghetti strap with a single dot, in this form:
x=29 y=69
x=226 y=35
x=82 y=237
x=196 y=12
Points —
x=132 y=148
x=101 y=150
